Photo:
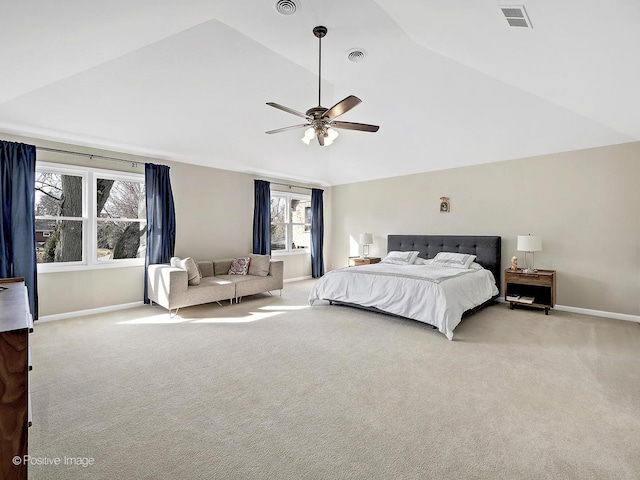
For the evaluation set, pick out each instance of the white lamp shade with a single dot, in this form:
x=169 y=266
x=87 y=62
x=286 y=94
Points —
x=366 y=239
x=529 y=243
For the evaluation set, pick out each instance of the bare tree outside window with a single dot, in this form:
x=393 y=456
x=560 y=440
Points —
x=119 y=233
x=60 y=198
x=62 y=227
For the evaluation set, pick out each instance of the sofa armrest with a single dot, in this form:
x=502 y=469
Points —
x=276 y=270
x=164 y=280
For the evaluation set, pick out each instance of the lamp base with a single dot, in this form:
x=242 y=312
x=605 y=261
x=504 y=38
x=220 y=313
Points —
x=529 y=270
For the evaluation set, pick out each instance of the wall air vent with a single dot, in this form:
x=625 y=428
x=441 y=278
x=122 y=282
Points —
x=516 y=15
x=287 y=7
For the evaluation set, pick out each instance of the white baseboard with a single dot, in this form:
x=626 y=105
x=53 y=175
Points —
x=297 y=279
x=91 y=311
x=594 y=313
x=113 y=308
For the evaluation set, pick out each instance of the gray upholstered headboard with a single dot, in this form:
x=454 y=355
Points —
x=486 y=248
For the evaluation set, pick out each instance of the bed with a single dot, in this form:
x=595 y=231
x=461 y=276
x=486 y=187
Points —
x=434 y=294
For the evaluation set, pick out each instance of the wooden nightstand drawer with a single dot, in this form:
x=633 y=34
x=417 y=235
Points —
x=539 y=278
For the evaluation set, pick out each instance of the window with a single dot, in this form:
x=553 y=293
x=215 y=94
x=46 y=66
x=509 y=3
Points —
x=290 y=222
x=87 y=217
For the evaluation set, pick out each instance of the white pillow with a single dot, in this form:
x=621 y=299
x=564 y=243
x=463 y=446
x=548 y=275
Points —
x=189 y=265
x=476 y=266
x=454 y=260
x=420 y=261
x=400 y=258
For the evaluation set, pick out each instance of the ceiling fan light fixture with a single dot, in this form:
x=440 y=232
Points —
x=309 y=133
x=321 y=120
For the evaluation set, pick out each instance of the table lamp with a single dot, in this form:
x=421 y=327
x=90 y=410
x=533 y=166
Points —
x=366 y=239
x=529 y=244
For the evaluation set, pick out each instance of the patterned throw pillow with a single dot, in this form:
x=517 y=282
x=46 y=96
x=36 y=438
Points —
x=239 y=266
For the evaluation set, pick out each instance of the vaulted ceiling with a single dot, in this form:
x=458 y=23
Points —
x=450 y=83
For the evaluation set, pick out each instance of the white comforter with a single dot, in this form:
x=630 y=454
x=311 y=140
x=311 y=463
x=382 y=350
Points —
x=434 y=295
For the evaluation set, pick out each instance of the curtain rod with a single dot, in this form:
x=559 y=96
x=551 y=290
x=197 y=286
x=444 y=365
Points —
x=290 y=186
x=91 y=156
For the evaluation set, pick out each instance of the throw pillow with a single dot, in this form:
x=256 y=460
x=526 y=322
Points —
x=193 y=274
x=400 y=258
x=239 y=266
x=259 y=265
x=454 y=260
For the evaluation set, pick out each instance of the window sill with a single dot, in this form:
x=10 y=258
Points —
x=52 y=268
x=284 y=253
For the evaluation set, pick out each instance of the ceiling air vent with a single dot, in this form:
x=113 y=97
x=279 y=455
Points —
x=356 y=54
x=516 y=15
x=287 y=7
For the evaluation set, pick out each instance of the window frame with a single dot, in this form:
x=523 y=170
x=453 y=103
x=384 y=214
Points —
x=89 y=217
x=288 y=196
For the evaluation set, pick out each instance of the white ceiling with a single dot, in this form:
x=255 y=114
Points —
x=449 y=83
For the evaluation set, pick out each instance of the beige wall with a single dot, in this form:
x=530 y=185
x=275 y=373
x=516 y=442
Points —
x=214 y=217
x=585 y=205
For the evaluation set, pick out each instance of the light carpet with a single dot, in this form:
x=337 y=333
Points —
x=275 y=389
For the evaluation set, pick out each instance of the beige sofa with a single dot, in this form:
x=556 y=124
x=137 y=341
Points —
x=169 y=286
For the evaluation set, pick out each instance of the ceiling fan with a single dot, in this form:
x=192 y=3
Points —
x=322 y=121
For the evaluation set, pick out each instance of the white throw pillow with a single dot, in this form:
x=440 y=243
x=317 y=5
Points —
x=259 y=265
x=400 y=258
x=454 y=260
x=189 y=265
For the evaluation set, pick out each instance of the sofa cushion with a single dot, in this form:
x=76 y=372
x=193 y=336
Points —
x=189 y=265
x=259 y=265
x=239 y=266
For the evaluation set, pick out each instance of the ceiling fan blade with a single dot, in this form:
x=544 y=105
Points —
x=343 y=106
x=321 y=139
x=288 y=110
x=284 y=129
x=363 y=127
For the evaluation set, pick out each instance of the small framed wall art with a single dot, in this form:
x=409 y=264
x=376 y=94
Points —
x=445 y=206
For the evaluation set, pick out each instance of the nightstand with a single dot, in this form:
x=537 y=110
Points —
x=536 y=289
x=357 y=261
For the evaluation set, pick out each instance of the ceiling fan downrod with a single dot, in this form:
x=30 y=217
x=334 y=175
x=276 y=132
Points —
x=319 y=32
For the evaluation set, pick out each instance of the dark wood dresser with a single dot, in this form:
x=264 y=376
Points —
x=16 y=323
